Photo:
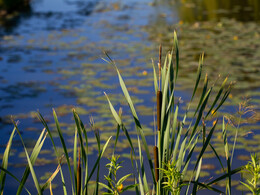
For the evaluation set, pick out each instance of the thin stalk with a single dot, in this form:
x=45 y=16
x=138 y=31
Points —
x=235 y=140
x=79 y=175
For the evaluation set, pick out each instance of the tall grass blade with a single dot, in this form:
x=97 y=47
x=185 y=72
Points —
x=217 y=96
x=202 y=108
x=198 y=75
x=225 y=96
x=224 y=133
x=195 y=185
x=176 y=48
x=224 y=176
x=205 y=145
x=48 y=182
x=202 y=94
x=137 y=122
x=32 y=159
x=75 y=159
x=34 y=155
x=145 y=183
x=40 y=117
x=64 y=148
x=155 y=78
x=97 y=161
x=5 y=161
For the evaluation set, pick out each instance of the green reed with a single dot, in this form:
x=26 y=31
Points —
x=176 y=139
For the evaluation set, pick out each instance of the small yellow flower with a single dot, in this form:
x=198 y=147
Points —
x=213 y=113
x=180 y=22
x=230 y=96
x=235 y=38
x=214 y=122
x=120 y=188
x=144 y=73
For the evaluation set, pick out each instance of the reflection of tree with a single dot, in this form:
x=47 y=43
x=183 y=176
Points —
x=201 y=10
x=11 y=12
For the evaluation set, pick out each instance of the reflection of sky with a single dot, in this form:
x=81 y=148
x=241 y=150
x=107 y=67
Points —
x=54 y=6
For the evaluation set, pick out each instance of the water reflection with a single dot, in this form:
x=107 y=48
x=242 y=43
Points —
x=204 y=10
x=9 y=21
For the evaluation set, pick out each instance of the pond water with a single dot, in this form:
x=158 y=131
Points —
x=51 y=58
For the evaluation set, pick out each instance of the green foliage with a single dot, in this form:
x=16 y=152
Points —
x=115 y=186
x=176 y=140
x=172 y=177
x=253 y=168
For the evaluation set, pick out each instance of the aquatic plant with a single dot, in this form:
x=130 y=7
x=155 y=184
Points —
x=176 y=139
x=253 y=168
x=115 y=186
x=79 y=172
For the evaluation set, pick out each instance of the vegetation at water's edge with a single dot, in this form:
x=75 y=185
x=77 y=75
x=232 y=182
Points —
x=8 y=8
x=170 y=160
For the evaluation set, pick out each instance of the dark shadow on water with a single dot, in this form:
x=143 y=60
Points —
x=9 y=23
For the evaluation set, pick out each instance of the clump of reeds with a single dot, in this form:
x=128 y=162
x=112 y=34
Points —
x=176 y=139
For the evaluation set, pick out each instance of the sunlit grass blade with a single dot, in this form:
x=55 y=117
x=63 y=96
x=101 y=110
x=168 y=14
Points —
x=176 y=49
x=137 y=122
x=51 y=189
x=34 y=155
x=136 y=119
x=83 y=148
x=31 y=160
x=224 y=134
x=174 y=127
x=195 y=185
x=5 y=161
x=145 y=183
x=64 y=148
x=48 y=182
x=114 y=113
x=80 y=129
x=75 y=152
x=40 y=117
x=105 y=186
x=155 y=78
